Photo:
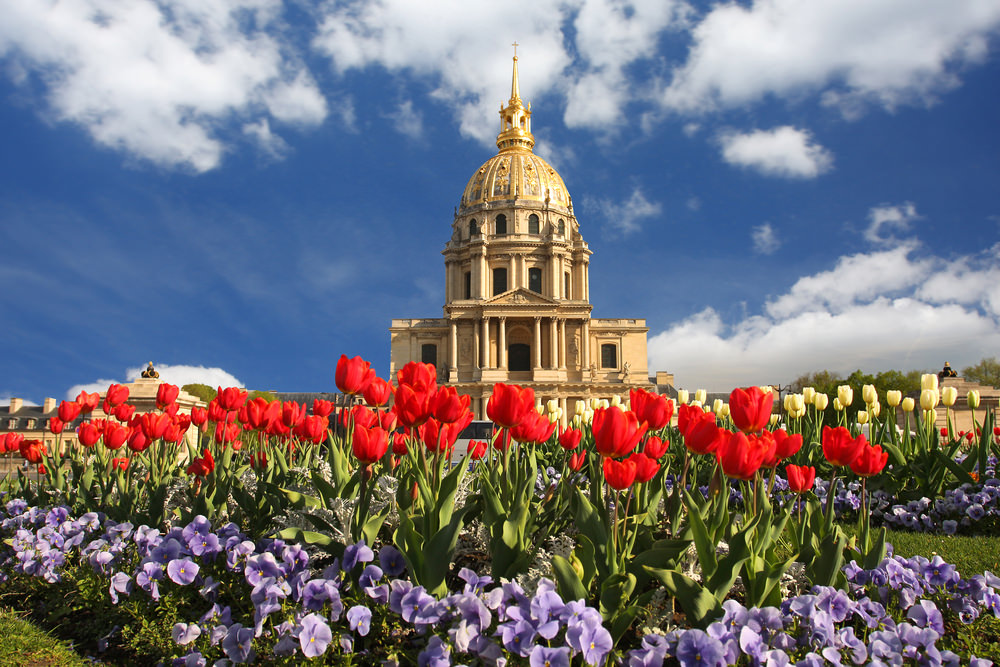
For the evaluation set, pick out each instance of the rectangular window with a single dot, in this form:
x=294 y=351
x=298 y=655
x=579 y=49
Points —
x=429 y=353
x=499 y=281
x=566 y=286
x=535 y=280
x=468 y=285
x=609 y=355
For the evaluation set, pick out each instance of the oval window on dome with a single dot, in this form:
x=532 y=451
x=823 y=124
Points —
x=532 y=224
x=501 y=227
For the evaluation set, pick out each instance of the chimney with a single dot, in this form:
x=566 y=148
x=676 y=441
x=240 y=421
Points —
x=15 y=405
x=49 y=406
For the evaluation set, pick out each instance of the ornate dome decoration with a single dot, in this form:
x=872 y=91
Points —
x=515 y=172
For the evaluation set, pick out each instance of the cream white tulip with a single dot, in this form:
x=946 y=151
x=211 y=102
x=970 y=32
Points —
x=928 y=399
x=682 y=397
x=862 y=416
x=696 y=404
x=868 y=394
x=701 y=396
x=552 y=405
x=724 y=411
x=907 y=404
x=948 y=396
x=893 y=397
x=972 y=399
x=594 y=403
x=837 y=405
x=875 y=409
x=928 y=381
x=808 y=395
x=580 y=407
x=821 y=401
x=774 y=419
x=717 y=406
x=798 y=402
x=845 y=394
x=616 y=400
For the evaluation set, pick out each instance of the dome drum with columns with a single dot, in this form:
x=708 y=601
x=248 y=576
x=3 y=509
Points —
x=517 y=299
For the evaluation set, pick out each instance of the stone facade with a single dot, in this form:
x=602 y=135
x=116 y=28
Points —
x=517 y=289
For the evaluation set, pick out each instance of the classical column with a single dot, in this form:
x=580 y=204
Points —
x=453 y=346
x=553 y=343
x=476 y=362
x=483 y=278
x=502 y=343
x=537 y=361
x=586 y=281
x=485 y=339
x=512 y=273
x=562 y=343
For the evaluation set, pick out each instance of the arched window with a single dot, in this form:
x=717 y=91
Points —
x=532 y=224
x=535 y=280
x=429 y=353
x=473 y=228
x=501 y=224
x=519 y=357
x=561 y=227
x=499 y=281
x=609 y=355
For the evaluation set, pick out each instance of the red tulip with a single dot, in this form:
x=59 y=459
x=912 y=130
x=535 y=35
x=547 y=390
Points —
x=124 y=412
x=369 y=445
x=228 y=433
x=115 y=435
x=358 y=415
x=292 y=413
x=619 y=474
x=685 y=415
x=399 y=444
x=313 y=429
x=88 y=434
x=702 y=435
x=260 y=413
x=120 y=463
x=179 y=424
x=509 y=404
x=576 y=460
x=645 y=467
x=322 y=408
x=203 y=465
x=353 y=375
x=750 y=408
x=13 y=441
x=740 y=457
x=387 y=420
x=88 y=402
x=477 y=449
x=258 y=460
x=870 y=461
x=231 y=398
x=616 y=432
x=378 y=392
x=420 y=377
x=32 y=450
x=785 y=446
x=651 y=408
x=570 y=438
x=155 y=425
x=839 y=448
x=115 y=396
x=534 y=427
x=137 y=440
x=68 y=411
x=199 y=416
x=166 y=394
x=56 y=425
x=655 y=448
x=413 y=407
x=449 y=406
x=800 y=478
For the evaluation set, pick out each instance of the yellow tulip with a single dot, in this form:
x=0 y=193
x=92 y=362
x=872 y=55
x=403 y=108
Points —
x=724 y=411
x=948 y=396
x=928 y=399
x=893 y=397
x=837 y=405
x=868 y=394
x=821 y=401
x=845 y=394
x=552 y=405
x=701 y=396
x=908 y=404
x=972 y=399
x=862 y=416
x=717 y=406
x=808 y=394
x=875 y=409
x=682 y=397
x=580 y=408
x=773 y=421
x=928 y=381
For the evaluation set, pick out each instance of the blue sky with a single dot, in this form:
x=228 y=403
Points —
x=243 y=190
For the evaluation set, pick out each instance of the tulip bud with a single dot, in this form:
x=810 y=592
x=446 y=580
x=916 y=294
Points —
x=928 y=399
x=875 y=409
x=893 y=397
x=928 y=381
x=808 y=395
x=773 y=421
x=837 y=406
x=972 y=399
x=787 y=403
x=948 y=396
x=682 y=397
x=616 y=400
x=862 y=416
x=701 y=396
x=845 y=394
x=821 y=401
x=580 y=407
x=907 y=404
x=724 y=411
x=868 y=394
x=717 y=406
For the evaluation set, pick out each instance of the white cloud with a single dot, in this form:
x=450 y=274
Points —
x=875 y=311
x=887 y=52
x=158 y=80
x=408 y=120
x=785 y=151
x=765 y=241
x=271 y=143
x=624 y=217
x=887 y=217
x=179 y=375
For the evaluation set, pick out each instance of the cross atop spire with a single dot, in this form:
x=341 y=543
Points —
x=515 y=118
x=515 y=90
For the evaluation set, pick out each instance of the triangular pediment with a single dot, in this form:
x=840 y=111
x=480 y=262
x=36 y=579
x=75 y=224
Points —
x=519 y=297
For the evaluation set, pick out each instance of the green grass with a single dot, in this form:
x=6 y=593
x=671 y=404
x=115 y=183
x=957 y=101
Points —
x=970 y=554
x=25 y=645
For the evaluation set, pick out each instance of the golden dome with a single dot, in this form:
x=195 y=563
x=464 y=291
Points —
x=516 y=172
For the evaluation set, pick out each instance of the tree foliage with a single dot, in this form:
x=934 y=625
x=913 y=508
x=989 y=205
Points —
x=987 y=372
x=202 y=391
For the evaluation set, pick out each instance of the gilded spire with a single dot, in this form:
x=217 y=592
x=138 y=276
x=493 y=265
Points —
x=515 y=119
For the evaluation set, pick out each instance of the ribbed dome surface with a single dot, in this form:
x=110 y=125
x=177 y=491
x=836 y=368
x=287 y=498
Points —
x=511 y=174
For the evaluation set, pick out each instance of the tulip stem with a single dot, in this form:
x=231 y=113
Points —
x=829 y=497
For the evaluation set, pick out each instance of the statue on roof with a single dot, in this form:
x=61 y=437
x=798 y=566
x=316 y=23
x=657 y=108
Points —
x=150 y=373
x=947 y=372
